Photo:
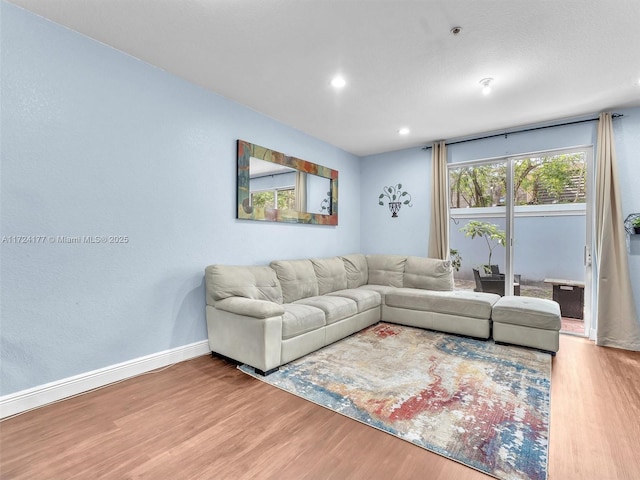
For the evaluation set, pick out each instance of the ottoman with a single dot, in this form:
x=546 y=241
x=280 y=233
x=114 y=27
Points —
x=530 y=322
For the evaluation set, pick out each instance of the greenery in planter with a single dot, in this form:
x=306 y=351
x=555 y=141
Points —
x=456 y=259
x=490 y=232
x=635 y=223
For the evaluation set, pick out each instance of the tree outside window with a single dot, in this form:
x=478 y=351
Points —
x=284 y=199
x=541 y=180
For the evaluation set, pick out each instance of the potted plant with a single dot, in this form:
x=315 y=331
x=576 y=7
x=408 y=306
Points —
x=490 y=232
x=456 y=259
x=635 y=223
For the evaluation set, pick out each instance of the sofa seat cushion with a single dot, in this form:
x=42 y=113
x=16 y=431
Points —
x=357 y=270
x=330 y=273
x=428 y=274
x=297 y=279
x=381 y=289
x=298 y=319
x=458 y=302
x=530 y=312
x=334 y=308
x=386 y=269
x=365 y=299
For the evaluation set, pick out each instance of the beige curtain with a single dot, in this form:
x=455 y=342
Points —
x=301 y=191
x=439 y=228
x=617 y=319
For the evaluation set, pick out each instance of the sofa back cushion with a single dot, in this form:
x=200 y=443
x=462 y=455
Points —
x=330 y=273
x=297 y=278
x=386 y=269
x=357 y=270
x=256 y=282
x=428 y=274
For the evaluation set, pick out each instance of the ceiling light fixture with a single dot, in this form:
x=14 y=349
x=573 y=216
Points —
x=338 y=82
x=486 y=85
x=404 y=131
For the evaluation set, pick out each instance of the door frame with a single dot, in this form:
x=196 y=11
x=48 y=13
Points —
x=510 y=214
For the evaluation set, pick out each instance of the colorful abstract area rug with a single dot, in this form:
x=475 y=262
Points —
x=480 y=404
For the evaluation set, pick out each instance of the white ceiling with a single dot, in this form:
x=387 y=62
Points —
x=550 y=59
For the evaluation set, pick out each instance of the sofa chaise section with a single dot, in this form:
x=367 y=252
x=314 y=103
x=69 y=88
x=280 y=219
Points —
x=459 y=312
x=418 y=292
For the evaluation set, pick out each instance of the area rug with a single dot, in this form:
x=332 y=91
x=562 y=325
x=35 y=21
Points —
x=480 y=404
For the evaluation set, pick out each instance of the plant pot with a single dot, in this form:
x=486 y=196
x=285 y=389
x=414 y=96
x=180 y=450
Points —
x=636 y=230
x=395 y=208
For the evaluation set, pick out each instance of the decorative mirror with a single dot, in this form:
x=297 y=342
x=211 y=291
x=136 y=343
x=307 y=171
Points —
x=274 y=187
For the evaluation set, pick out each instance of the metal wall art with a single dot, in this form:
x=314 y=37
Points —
x=396 y=197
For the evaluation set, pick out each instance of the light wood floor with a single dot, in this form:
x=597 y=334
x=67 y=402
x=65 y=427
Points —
x=203 y=419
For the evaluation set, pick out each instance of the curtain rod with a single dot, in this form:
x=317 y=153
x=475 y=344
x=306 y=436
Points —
x=615 y=115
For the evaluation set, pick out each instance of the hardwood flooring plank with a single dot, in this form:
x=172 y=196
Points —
x=594 y=412
x=204 y=419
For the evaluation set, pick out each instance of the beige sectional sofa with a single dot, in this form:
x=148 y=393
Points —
x=266 y=316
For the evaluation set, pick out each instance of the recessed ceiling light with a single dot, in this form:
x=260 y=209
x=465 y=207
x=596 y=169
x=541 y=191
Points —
x=338 y=81
x=486 y=85
x=404 y=131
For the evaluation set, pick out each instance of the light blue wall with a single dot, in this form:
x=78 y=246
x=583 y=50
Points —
x=626 y=131
x=408 y=233
x=96 y=143
x=517 y=143
x=562 y=258
x=561 y=238
x=627 y=139
x=318 y=188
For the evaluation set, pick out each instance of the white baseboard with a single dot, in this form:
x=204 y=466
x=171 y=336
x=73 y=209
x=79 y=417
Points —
x=51 y=392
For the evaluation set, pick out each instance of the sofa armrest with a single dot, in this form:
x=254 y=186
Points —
x=250 y=307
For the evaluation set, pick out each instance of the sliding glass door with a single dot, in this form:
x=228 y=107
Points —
x=518 y=226
x=478 y=228
x=551 y=232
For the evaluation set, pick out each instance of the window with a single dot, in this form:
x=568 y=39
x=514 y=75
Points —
x=284 y=198
x=538 y=180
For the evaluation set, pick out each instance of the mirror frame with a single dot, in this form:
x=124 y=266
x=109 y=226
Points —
x=245 y=211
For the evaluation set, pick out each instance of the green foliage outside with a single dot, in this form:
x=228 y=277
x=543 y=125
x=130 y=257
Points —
x=537 y=181
x=263 y=199
x=266 y=199
x=287 y=199
x=489 y=231
x=456 y=259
